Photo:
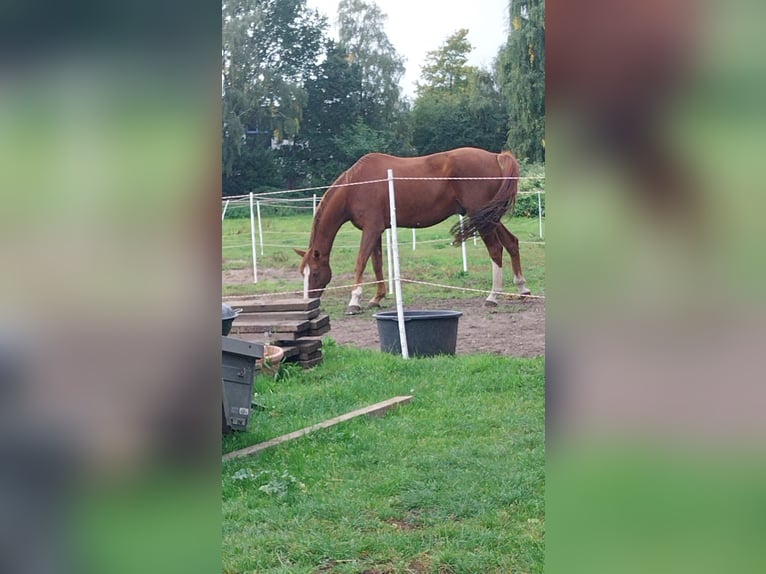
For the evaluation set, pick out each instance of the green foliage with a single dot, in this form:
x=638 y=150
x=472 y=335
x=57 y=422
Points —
x=332 y=102
x=521 y=71
x=445 y=68
x=527 y=205
x=269 y=48
x=361 y=30
x=457 y=105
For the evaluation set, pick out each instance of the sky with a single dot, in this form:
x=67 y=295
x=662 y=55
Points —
x=416 y=27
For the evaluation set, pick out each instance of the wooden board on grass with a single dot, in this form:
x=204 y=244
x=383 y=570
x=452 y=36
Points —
x=373 y=410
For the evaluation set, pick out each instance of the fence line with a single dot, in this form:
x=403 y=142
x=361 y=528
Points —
x=403 y=279
x=242 y=199
x=391 y=240
x=446 y=242
x=315 y=188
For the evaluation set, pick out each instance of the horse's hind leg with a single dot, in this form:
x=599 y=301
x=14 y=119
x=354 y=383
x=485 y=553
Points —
x=511 y=243
x=366 y=247
x=495 y=249
x=377 y=266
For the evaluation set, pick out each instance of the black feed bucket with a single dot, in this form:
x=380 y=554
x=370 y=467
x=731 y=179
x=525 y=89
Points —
x=429 y=333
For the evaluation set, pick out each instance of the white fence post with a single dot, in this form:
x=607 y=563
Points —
x=260 y=227
x=413 y=239
x=397 y=277
x=226 y=205
x=252 y=238
x=314 y=211
x=462 y=247
x=390 y=263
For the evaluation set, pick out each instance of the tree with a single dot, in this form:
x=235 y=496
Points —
x=269 y=49
x=445 y=68
x=362 y=34
x=333 y=104
x=521 y=69
x=457 y=105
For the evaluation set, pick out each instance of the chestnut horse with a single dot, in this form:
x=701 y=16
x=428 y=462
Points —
x=419 y=203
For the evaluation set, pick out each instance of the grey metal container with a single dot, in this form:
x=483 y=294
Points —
x=428 y=333
x=237 y=372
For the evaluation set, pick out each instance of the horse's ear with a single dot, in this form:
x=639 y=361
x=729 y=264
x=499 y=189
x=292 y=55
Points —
x=299 y=252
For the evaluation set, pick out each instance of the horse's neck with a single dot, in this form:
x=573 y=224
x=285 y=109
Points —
x=327 y=223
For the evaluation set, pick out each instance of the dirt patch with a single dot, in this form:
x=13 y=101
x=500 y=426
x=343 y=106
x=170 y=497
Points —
x=514 y=328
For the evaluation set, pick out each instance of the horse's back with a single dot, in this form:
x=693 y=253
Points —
x=459 y=162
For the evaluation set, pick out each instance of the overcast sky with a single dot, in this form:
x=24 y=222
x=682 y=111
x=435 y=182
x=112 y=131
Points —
x=416 y=27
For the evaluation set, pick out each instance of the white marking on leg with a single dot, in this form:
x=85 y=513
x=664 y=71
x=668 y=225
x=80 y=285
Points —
x=497 y=282
x=521 y=284
x=306 y=272
x=356 y=297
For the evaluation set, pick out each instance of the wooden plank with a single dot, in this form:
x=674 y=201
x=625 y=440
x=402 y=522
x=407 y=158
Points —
x=373 y=410
x=321 y=321
x=290 y=353
x=249 y=326
x=318 y=332
x=256 y=305
x=308 y=356
x=305 y=345
x=310 y=363
x=279 y=315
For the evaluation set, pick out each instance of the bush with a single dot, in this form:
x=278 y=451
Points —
x=526 y=203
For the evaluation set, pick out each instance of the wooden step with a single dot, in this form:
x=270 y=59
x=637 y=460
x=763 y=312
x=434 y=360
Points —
x=260 y=305
x=280 y=315
x=279 y=329
x=303 y=346
x=319 y=322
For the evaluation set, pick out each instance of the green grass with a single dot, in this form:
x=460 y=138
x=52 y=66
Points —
x=434 y=259
x=452 y=482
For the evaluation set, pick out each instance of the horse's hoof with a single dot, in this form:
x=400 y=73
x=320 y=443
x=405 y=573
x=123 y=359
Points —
x=490 y=304
x=373 y=305
x=353 y=310
x=525 y=291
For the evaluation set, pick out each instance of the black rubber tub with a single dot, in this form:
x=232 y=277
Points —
x=227 y=318
x=429 y=333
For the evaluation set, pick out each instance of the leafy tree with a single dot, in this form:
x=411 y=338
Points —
x=457 y=105
x=333 y=104
x=521 y=69
x=362 y=34
x=269 y=49
x=445 y=68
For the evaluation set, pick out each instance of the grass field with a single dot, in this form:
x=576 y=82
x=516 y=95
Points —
x=434 y=259
x=452 y=482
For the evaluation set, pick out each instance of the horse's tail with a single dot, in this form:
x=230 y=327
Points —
x=486 y=219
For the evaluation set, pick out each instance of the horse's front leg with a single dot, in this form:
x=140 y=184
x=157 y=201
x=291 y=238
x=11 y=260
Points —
x=377 y=266
x=366 y=248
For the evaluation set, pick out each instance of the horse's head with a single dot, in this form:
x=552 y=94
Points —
x=315 y=266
